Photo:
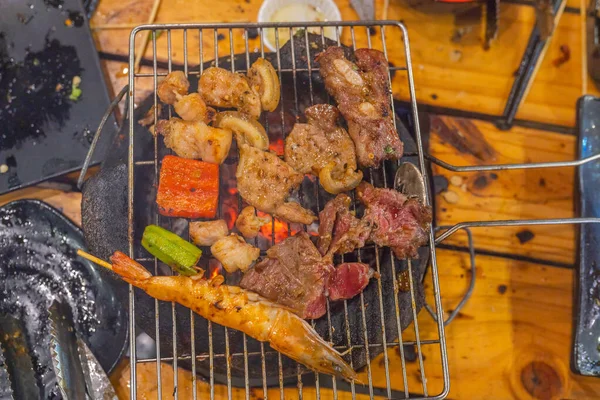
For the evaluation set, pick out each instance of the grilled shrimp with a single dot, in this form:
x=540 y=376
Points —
x=240 y=309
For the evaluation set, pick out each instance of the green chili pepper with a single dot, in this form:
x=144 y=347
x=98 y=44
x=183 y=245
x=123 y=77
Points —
x=169 y=248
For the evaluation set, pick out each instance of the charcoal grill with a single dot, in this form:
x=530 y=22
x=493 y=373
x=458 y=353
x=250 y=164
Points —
x=388 y=339
x=395 y=321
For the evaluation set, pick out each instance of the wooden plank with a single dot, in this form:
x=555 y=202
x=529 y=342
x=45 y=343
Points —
x=557 y=86
x=447 y=73
x=519 y=194
x=68 y=203
x=519 y=317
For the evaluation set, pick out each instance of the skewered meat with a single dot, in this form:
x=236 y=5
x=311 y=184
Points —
x=265 y=181
x=234 y=253
x=239 y=309
x=362 y=93
x=195 y=139
x=295 y=275
x=249 y=224
x=222 y=88
x=191 y=107
x=348 y=280
x=173 y=85
x=206 y=233
x=339 y=230
x=265 y=82
x=323 y=148
x=397 y=221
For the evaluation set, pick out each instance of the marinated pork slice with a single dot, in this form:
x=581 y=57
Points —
x=339 y=230
x=206 y=233
x=265 y=182
x=362 y=92
x=195 y=139
x=191 y=107
x=311 y=146
x=222 y=88
x=234 y=253
x=293 y=274
x=397 y=222
x=172 y=87
x=249 y=224
x=348 y=280
x=322 y=147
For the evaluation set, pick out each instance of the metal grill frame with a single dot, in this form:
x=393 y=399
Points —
x=438 y=313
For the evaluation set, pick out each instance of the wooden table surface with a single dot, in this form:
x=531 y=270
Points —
x=513 y=338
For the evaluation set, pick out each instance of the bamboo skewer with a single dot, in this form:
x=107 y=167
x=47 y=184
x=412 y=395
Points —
x=94 y=259
x=146 y=38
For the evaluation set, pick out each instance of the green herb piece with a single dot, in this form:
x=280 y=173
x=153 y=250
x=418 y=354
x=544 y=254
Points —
x=388 y=149
x=75 y=90
x=75 y=93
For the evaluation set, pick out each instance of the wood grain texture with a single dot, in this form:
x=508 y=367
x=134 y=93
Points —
x=456 y=74
x=519 y=194
x=67 y=202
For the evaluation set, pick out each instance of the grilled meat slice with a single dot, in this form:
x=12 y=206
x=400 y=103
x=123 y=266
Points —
x=222 y=88
x=174 y=85
x=206 y=233
x=311 y=146
x=234 y=253
x=265 y=181
x=191 y=107
x=265 y=81
x=249 y=224
x=362 y=91
x=348 y=280
x=397 y=221
x=339 y=230
x=293 y=274
x=195 y=139
x=321 y=143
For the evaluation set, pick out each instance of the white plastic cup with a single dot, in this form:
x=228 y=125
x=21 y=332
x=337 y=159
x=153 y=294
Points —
x=327 y=8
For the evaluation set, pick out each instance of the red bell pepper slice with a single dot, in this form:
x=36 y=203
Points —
x=188 y=188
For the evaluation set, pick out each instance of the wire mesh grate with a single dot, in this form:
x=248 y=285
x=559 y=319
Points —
x=395 y=374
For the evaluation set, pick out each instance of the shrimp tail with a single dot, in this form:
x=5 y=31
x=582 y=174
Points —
x=129 y=270
x=295 y=338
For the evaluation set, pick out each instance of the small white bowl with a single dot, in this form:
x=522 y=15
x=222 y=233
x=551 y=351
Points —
x=327 y=8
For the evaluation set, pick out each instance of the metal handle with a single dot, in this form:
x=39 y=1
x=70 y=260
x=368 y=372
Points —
x=471 y=287
x=505 y=167
x=90 y=153
x=514 y=222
